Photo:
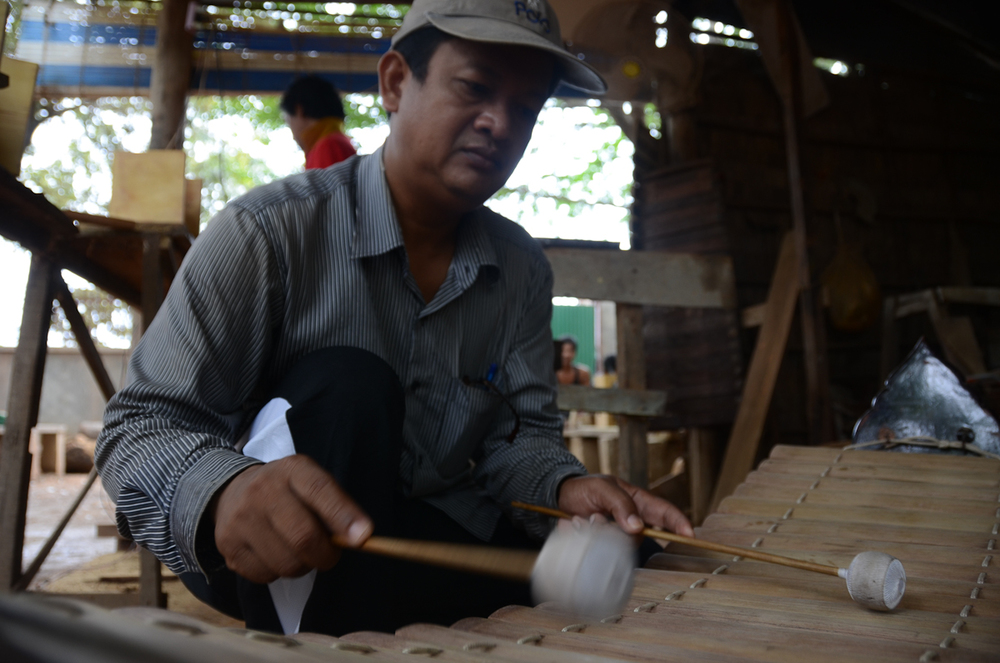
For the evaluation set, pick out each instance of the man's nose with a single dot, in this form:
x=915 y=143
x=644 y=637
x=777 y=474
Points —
x=496 y=119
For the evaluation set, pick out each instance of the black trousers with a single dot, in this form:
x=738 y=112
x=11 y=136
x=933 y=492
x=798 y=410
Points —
x=346 y=413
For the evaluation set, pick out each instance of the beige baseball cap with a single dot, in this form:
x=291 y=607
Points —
x=530 y=23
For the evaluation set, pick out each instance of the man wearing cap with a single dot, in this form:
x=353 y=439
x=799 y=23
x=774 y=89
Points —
x=366 y=349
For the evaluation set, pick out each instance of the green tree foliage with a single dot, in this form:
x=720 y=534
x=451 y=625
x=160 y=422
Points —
x=108 y=316
x=583 y=188
x=12 y=29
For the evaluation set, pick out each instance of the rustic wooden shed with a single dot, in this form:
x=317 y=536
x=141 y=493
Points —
x=900 y=154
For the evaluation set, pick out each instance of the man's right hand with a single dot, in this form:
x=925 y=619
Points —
x=276 y=520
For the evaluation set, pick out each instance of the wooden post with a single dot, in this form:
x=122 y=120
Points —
x=25 y=395
x=93 y=359
x=83 y=338
x=171 y=76
x=816 y=388
x=890 y=337
x=701 y=470
x=633 y=451
x=762 y=374
x=150 y=570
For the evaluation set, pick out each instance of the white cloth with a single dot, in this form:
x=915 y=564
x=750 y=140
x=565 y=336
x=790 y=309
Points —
x=270 y=440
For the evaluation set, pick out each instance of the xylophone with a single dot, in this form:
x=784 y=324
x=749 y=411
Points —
x=938 y=514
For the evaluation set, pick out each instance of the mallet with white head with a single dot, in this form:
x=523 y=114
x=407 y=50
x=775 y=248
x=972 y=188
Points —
x=876 y=580
x=588 y=568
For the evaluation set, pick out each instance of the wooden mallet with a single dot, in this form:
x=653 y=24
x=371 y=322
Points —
x=876 y=580
x=588 y=569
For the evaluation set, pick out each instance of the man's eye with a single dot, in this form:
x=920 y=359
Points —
x=475 y=88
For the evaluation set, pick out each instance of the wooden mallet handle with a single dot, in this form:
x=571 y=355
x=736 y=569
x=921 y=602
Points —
x=706 y=545
x=506 y=563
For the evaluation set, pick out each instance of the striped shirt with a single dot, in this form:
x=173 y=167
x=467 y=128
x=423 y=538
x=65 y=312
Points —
x=317 y=260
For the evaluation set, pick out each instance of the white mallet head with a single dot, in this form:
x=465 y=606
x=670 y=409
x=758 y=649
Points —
x=875 y=580
x=588 y=568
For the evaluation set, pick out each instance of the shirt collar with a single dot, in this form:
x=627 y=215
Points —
x=377 y=229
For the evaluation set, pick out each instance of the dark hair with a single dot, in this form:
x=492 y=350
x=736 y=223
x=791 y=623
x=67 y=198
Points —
x=557 y=345
x=569 y=338
x=611 y=364
x=417 y=48
x=317 y=97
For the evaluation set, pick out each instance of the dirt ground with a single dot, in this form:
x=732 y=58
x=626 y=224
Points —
x=48 y=498
x=82 y=563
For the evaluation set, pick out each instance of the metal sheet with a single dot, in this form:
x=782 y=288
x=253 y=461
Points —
x=923 y=397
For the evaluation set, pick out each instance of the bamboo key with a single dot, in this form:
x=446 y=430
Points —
x=874 y=579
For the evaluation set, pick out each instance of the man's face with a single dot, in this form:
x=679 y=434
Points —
x=464 y=128
x=298 y=123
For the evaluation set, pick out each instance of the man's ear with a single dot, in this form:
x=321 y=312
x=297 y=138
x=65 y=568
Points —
x=393 y=74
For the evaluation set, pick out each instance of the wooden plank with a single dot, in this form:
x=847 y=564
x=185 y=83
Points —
x=925 y=477
x=633 y=450
x=150 y=569
x=843 y=485
x=22 y=408
x=148 y=187
x=644 y=277
x=701 y=469
x=616 y=401
x=83 y=338
x=863 y=497
x=170 y=79
x=872 y=515
x=104 y=600
x=753 y=316
x=756 y=579
x=919 y=461
x=980 y=296
x=762 y=374
x=822 y=528
x=15 y=111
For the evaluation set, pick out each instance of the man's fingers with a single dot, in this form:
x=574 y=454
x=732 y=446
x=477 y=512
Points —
x=657 y=512
x=298 y=530
x=337 y=511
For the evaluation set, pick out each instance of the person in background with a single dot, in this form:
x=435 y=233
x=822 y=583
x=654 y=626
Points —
x=566 y=371
x=315 y=114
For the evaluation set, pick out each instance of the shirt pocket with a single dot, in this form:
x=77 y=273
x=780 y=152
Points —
x=468 y=417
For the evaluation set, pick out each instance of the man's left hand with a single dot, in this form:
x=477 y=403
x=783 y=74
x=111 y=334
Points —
x=632 y=507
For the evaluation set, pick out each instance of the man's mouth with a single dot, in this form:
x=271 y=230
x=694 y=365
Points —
x=483 y=157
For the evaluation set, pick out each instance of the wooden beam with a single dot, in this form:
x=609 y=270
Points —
x=652 y=278
x=616 y=401
x=93 y=359
x=817 y=387
x=633 y=450
x=980 y=296
x=150 y=569
x=762 y=374
x=890 y=338
x=83 y=338
x=171 y=76
x=701 y=470
x=22 y=407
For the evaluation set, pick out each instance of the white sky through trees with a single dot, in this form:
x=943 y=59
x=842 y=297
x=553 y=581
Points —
x=545 y=193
